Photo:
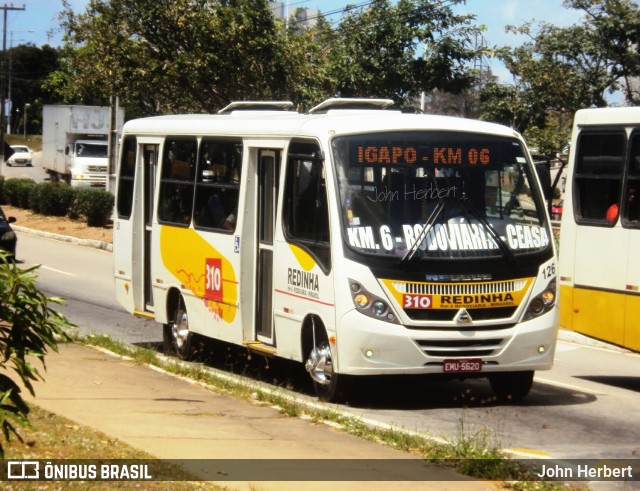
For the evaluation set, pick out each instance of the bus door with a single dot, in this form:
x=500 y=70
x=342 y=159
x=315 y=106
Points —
x=150 y=167
x=268 y=164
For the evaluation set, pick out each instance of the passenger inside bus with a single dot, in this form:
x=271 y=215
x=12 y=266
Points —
x=214 y=214
x=174 y=208
x=612 y=213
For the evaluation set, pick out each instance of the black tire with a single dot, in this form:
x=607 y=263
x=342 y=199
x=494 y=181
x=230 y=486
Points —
x=177 y=338
x=511 y=386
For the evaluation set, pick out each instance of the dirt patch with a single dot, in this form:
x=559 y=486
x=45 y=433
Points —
x=58 y=225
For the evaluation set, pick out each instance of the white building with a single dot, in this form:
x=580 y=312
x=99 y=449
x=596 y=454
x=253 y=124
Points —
x=302 y=17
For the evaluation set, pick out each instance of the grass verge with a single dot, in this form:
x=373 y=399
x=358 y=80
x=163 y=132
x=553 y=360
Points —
x=474 y=454
x=50 y=436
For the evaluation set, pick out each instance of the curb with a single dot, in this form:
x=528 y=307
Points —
x=97 y=244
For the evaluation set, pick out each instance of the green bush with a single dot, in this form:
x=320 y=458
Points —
x=34 y=198
x=16 y=191
x=74 y=211
x=55 y=198
x=24 y=191
x=95 y=205
x=29 y=328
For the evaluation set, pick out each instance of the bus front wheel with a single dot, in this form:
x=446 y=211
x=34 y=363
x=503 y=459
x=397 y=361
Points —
x=177 y=337
x=511 y=386
x=319 y=364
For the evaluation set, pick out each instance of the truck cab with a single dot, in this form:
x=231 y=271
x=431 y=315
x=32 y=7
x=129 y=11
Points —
x=88 y=161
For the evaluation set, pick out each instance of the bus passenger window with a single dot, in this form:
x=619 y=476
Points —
x=177 y=181
x=598 y=176
x=218 y=184
x=127 y=171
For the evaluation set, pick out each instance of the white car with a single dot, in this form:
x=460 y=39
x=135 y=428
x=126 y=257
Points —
x=21 y=156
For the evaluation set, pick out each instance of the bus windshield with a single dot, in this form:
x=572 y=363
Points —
x=441 y=194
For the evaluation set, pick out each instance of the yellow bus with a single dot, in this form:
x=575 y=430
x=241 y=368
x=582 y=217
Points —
x=600 y=229
x=355 y=239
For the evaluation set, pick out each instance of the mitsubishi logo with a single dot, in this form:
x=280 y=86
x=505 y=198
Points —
x=463 y=317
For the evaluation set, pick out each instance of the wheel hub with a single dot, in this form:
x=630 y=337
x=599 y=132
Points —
x=319 y=365
x=180 y=330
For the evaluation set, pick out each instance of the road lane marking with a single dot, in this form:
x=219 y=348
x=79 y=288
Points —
x=563 y=385
x=56 y=270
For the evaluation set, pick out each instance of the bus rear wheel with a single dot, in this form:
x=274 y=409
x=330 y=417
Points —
x=511 y=386
x=177 y=338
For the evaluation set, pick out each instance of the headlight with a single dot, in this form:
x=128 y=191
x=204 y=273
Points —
x=9 y=235
x=541 y=303
x=379 y=308
x=369 y=304
x=361 y=300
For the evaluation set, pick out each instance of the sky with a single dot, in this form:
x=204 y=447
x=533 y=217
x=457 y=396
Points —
x=38 y=22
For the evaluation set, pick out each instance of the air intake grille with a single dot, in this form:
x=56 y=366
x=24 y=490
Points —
x=460 y=347
x=459 y=288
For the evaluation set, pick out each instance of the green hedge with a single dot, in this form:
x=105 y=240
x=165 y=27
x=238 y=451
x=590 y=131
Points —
x=55 y=198
x=58 y=199
x=16 y=191
x=94 y=205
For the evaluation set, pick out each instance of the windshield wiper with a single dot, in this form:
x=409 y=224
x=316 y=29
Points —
x=506 y=252
x=425 y=230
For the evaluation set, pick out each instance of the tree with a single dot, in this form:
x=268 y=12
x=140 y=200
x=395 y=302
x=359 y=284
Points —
x=30 y=67
x=399 y=50
x=198 y=55
x=171 y=55
x=560 y=70
x=616 y=27
x=29 y=328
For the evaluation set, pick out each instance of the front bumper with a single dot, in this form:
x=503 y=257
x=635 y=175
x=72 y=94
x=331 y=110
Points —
x=368 y=346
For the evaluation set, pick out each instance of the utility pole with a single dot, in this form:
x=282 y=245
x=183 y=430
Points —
x=5 y=8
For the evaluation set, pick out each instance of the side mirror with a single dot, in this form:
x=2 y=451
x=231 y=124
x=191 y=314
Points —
x=11 y=219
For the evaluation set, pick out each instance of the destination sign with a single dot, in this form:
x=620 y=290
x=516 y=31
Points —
x=435 y=155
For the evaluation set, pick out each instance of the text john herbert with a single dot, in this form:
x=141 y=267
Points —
x=585 y=472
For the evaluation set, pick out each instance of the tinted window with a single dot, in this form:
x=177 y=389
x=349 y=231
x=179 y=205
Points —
x=177 y=181
x=306 y=213
x=598 y=176
x=126 y=177
x=218 y=184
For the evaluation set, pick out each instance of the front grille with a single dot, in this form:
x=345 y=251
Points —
x=445 y=315
x=466 y=348
x=459 y=288
x=97 y=168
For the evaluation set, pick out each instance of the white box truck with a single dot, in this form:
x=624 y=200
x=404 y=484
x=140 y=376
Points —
x=75 y=143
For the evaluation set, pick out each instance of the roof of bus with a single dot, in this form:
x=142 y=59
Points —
x=607 y=115
x=263 y=124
